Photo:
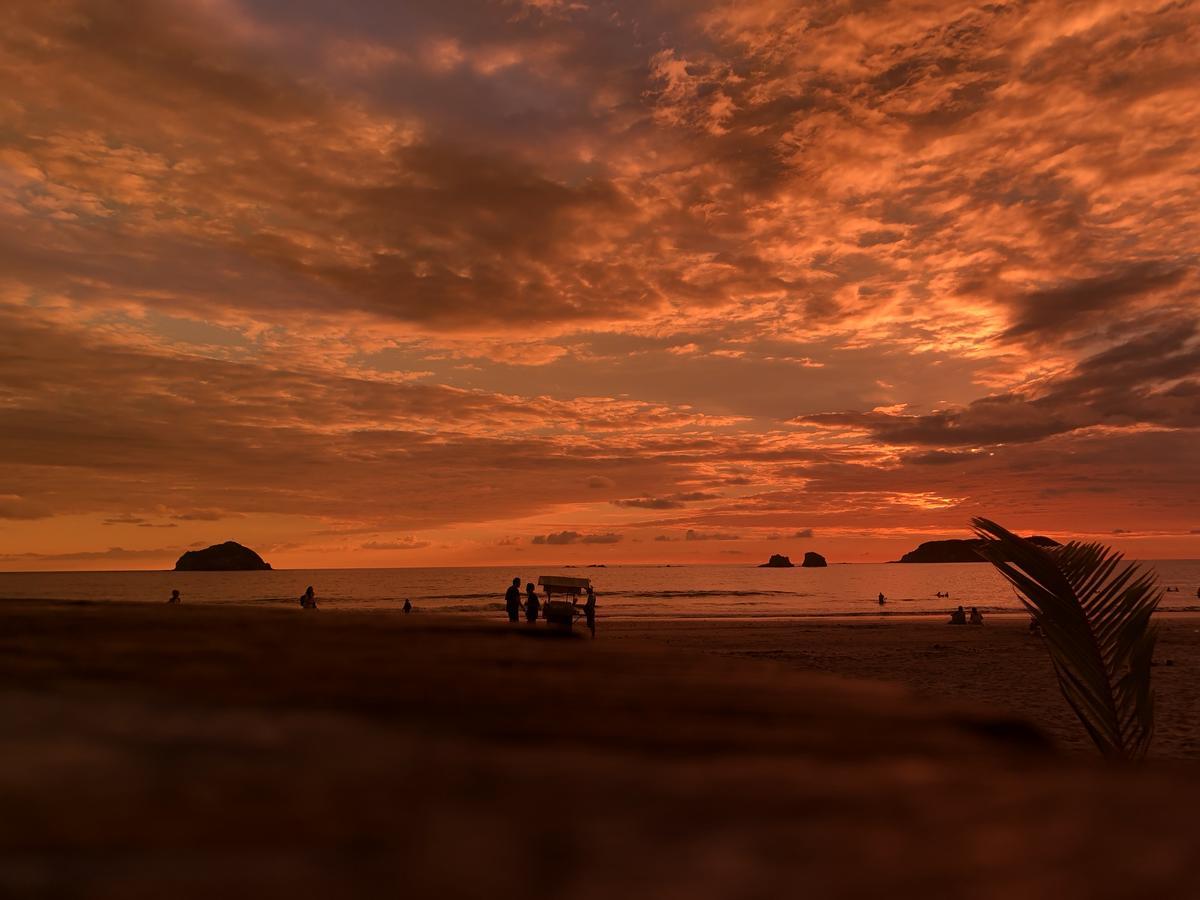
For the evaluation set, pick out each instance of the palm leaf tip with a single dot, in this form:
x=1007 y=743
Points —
x=1095 y=615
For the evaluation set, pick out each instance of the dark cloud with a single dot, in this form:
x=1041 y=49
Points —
x=14 y=506
x=992 y=420
x=608 y=537
x=674 y=501
x=939 y=457
x=112 y=553
x=692 y=535
x=404 y=544
x=1048 y=312
x=124 y=519
x=137 y=521
x=649 y=503
x=574 y=537
x=205 y=515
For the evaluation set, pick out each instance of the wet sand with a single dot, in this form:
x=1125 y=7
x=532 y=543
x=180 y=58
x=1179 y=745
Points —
x=154 y=751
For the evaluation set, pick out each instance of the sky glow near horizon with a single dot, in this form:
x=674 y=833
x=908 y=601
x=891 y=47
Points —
x=364 y=283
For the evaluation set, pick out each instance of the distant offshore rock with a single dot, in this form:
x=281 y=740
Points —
x=778 y=561
x=813 y=561
x=960 y=551
x=227 y=557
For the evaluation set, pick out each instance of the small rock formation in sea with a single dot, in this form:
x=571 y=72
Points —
x=227 y=557
x=960 y=551
x=813 y=561
x=777 y=561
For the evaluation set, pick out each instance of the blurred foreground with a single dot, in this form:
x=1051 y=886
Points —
x=198 y=752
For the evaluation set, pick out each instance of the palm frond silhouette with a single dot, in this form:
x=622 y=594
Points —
x=1095 y=617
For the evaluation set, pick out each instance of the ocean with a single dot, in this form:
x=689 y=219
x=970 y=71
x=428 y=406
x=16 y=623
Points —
x=622 y=591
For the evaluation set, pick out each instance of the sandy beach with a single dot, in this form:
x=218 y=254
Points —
x=155 y=751
x=998 y=667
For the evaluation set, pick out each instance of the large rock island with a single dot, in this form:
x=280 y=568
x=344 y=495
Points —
x=813 y=561
x=778 y=561
x=227 y=557
x=960 y=551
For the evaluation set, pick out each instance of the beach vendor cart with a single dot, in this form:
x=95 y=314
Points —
x=562 y=612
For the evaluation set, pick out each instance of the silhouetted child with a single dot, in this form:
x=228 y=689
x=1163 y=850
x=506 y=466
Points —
x=532 y=604
x=589 y=611
x=882 y=599
x=958 y=617
x=175 y=598
x=407 y=606
x=308 y=600
x=976 y=616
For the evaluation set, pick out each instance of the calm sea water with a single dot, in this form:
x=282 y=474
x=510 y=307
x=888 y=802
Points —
x=625 y=591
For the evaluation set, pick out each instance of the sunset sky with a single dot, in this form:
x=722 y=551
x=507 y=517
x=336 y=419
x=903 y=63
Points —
x=381 y=283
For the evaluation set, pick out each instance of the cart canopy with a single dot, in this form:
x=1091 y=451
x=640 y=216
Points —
x=561 y=584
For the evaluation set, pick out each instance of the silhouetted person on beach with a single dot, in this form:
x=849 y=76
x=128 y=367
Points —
x=976 y=616
x=512 y=600
x=882 y=599
x=532 y=604
x=308 y=600
x=958 y=617
x=589 y=611
x=408 y=606
x=175 y=598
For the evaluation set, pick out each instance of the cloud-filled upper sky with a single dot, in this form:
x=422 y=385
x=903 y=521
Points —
x=370 y=283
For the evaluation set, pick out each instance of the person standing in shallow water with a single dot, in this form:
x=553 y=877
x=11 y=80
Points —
x=512 y=600
x=308 y=600
x=532 y=604
x=175 y=598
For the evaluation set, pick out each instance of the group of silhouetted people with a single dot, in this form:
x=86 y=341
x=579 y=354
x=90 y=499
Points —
x=532 y=605
x=959 y=617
